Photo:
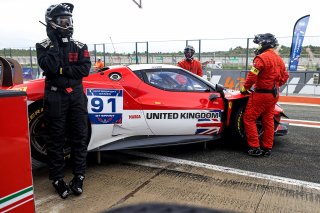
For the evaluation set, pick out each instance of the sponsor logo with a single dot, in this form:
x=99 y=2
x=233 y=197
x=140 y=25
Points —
x=185 y=115
x=134 y=116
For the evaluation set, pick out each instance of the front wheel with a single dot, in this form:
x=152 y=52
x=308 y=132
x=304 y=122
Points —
x=238 y=125
x=38 y=134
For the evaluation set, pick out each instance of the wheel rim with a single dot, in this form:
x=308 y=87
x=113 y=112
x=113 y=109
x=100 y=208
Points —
x=38 y=137
x=242 y=132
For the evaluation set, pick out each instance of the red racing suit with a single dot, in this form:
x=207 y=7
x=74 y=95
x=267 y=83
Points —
x=193 y=66
x=268 y=71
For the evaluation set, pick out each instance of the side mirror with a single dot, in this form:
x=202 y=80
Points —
x=220 y=89
x=213 y=97
x=103 y=69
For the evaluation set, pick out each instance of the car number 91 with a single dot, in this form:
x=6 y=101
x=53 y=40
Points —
x=105 y=106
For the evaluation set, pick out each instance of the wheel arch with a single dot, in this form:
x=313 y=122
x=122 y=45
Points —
x=233 y=107
x=234 y=127
x=35 y=111
x=39 y=104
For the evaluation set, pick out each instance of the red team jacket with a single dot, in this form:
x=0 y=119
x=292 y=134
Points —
x=193 y=66
x=268 y=70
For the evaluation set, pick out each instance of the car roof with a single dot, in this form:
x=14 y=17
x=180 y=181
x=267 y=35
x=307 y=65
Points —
x=135 y=67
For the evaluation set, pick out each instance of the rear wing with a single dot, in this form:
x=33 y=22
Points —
x=11 y=72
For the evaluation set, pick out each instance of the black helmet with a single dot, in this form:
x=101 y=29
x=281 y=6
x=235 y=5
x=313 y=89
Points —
x=59 y=17
x=265 y=42
x=189 y=52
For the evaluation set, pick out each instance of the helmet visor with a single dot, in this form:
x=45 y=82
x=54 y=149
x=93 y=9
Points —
x=188 y=53
x=64 y=22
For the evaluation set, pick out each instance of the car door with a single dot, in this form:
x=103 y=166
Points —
x=176 y=102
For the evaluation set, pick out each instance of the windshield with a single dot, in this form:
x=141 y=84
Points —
x=175 y=80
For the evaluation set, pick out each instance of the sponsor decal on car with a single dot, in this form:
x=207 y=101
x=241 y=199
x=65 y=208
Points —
x=134 y=116
x=185 y=115
x=209 y=125
x=105 y=106
x=24 y=89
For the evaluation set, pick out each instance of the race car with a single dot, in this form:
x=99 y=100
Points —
x=145 y=105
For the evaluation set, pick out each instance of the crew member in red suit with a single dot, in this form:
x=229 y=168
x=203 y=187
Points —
x=267 y=74
x=190 y=63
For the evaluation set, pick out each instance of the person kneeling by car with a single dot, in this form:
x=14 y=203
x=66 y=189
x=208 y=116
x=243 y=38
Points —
x=267 y=74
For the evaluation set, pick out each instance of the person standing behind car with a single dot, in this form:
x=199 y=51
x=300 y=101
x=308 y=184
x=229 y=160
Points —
x=99 y=64
x=189 y=62
x=267 y=74
x=65 y=62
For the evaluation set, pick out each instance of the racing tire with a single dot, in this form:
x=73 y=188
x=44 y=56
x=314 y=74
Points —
x=238 y=126
x=38 y=135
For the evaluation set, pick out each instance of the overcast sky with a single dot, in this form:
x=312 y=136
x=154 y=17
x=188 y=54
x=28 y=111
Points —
x=95 y=21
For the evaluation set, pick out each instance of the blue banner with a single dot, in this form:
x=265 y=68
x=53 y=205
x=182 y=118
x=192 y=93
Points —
x=299 y=31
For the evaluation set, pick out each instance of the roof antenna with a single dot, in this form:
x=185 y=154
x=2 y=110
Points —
x=139 y=4
x=114 y=49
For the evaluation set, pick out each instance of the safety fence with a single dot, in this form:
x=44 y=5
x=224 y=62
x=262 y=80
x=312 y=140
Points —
x=300 y=83
x=232 y=56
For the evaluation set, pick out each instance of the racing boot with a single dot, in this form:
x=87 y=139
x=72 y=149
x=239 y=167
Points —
x=266 y=152
x=255 y=152
x=61 y=188
x=76 y=184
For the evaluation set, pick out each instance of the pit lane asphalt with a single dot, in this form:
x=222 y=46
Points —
x=123 y=179
x=296 y=155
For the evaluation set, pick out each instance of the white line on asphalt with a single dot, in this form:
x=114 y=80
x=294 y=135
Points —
x=278 y=179
x=304 y=125
x=296 y=120
x=298 y=104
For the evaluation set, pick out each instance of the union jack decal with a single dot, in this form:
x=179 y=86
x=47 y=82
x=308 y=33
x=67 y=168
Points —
x=209 y=126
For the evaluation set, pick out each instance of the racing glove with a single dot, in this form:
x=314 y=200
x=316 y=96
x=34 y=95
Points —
x=243 y=91
x=52 y=35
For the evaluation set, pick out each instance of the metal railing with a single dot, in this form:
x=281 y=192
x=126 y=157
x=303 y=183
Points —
x=232 y=53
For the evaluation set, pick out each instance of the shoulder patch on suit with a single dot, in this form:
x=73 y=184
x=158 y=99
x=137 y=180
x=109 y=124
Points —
x=254 y=70
x=78 y=43
x=45 y=43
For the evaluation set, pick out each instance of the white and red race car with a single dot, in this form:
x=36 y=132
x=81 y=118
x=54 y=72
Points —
x=147 y=105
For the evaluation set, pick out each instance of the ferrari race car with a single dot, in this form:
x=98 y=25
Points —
x=146 y=105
